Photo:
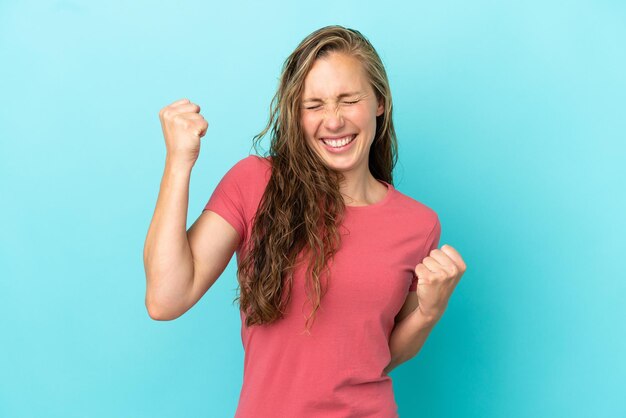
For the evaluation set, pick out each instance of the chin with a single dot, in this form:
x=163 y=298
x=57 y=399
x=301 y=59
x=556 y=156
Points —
x=340 y=164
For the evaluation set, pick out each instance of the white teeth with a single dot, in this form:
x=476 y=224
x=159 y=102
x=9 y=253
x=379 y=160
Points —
x=338 y=142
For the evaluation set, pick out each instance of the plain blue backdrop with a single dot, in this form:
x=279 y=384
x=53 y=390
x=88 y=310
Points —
x=511 y=125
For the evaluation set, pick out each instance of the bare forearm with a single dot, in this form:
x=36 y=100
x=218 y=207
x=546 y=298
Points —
x=408 y=337
x=168 y=260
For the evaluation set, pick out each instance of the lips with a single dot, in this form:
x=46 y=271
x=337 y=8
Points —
x=336 y=137
x=336 y=141
x=338 y=148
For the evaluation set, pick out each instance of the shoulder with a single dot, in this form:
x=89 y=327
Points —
x=249 y=167
x=252 y=162
x=415 y=210
x=249 y=175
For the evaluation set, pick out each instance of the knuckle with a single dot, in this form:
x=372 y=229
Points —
x=180 y=122
x=168 y=114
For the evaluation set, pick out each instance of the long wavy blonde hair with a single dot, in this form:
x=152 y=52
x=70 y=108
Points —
x=301 y=209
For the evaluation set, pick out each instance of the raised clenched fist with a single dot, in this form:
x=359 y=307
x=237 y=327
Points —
x=183 y=126
x=437 y=276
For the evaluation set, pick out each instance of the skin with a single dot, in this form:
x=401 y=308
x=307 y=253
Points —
x=325 y=113
x=168 y=296
x=437 y=276
x=332 y=115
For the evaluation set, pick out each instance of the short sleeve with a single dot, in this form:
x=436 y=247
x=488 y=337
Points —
x=227 y=199
x=432 y=242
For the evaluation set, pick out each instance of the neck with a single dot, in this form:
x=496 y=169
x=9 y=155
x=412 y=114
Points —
x=360 y=189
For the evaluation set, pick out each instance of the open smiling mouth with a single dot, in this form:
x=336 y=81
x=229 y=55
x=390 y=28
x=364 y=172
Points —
x=339 y=144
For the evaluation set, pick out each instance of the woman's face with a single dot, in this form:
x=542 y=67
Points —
x=339 y=102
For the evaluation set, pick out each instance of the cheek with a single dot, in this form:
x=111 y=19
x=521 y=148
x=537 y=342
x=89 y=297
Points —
x=308 y=125
x=363 y=116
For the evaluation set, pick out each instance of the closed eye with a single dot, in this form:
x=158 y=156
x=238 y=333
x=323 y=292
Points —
x=315 y=107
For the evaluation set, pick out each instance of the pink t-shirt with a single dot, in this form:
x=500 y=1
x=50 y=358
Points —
x=337 y=369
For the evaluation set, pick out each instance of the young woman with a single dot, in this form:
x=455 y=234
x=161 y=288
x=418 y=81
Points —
x=340 y=278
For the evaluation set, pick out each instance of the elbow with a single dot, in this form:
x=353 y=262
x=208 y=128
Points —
x=158 y=312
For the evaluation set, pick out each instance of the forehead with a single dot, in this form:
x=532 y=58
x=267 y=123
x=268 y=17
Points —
x=334 y=75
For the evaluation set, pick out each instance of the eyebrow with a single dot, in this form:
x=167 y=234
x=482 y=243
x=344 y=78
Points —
x=315 y=99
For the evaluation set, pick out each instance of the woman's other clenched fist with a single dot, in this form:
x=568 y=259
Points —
x=183 y=126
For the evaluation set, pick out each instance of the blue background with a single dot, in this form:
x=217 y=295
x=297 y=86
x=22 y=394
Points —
x=511 y=123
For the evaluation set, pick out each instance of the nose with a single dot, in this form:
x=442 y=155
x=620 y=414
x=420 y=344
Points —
x=333 y=120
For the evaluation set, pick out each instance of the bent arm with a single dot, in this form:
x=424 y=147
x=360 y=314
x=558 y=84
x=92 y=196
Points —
x=167 y=256
x=407 y=337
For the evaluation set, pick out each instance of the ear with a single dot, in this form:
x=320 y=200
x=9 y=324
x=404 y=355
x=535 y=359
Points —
x=381 y=107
